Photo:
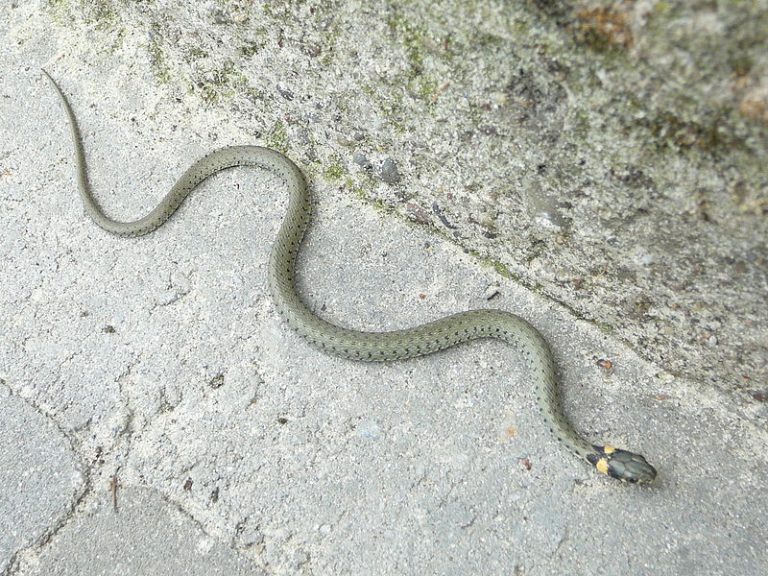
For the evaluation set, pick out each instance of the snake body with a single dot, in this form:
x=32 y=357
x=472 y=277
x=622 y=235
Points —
x=353 y=344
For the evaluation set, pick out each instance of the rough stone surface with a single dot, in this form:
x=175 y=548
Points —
x=598 y=164
x=606 y=156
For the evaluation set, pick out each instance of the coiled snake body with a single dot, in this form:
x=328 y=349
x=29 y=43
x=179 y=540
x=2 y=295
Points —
x=354 y=344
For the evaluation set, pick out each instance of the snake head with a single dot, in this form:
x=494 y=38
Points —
x=622 y=465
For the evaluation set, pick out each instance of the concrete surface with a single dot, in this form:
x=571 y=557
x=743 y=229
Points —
x=586 y=163
x=39 y=475
x=100 y=541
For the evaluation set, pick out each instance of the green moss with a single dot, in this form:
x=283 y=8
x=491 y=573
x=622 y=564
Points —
x=360 y=192
x=500 y=268
x=425 y=87
x=208 y=93
x=333 y=171
x=581 y=123
x=327 y=50
x=412 y=37
x=598 y=42
x=414 y=52
x=414 y=40
x=101 y=13
x=277 y=137
x=225 y=82
x=605 y=327
x=521 y=27
x=255 y=95
x=390 y=105
x=157 y=59
x=60 y=12
x=367 y=89
x=197 y=53
x=252 y=47
x=357 y=189
x=488 y=40
x=741 y=63
x=379 y=204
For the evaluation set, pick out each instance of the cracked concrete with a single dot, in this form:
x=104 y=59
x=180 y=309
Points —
x=107 y=543
x=40 y=476
x=536 y=158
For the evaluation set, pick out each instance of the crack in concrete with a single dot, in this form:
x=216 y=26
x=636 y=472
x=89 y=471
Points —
x=37 y=544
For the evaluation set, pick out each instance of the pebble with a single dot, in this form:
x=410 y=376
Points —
x=361 y=160
x=389 y=172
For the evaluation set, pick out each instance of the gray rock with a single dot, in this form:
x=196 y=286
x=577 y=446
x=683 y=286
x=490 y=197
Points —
x=361 y=160
x=389 y=172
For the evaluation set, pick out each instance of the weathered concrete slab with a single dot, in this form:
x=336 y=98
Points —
x=147 y=535
x=606 y=157
x=40 y=476
x=451 y=150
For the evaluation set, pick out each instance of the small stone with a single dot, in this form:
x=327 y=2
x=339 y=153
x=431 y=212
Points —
x=417 y=213
x=217 y=381
x=605 y=364
x=285 y=93
x=389 y=172
x=361 y=160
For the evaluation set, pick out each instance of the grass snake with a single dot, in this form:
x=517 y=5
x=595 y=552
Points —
x=354 y=344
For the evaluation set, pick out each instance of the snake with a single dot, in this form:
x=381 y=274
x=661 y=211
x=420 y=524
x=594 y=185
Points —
x=360 y=345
